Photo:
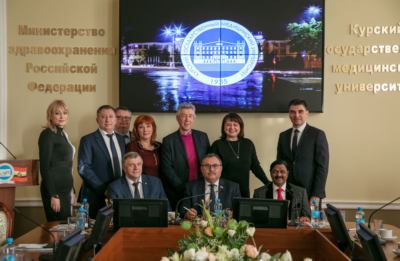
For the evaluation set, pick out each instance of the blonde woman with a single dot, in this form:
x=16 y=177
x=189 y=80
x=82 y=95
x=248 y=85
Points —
x=56 y=154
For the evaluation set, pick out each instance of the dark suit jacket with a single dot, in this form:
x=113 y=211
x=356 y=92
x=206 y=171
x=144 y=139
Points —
x=228 y=191
x=95 y=168
x=298 y=205
x=152 y=188
x=310 y=167
x=174 y=164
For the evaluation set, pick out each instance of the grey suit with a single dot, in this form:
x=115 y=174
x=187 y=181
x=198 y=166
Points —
x=298 y=205
x=310 y=167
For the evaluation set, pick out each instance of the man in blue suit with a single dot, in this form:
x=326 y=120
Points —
x=99 y=159
x=133 y=184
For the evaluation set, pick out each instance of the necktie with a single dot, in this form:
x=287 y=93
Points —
x=280 y=196
x=127 y=139
x=136 y=193
x=294 y=143
x=212 y=198
x=115 y=159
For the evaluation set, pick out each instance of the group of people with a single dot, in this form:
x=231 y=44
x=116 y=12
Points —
x=116 y=162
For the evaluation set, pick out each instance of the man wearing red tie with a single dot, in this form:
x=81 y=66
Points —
x=279 y=189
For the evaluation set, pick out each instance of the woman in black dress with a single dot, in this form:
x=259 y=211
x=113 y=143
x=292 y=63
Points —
x=238 y=154
x=56 y=154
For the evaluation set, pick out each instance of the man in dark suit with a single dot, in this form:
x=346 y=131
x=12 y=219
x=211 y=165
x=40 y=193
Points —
x=305 y=149
x=279 y=189
x=124 y=117
x=133 y=184
x=99 y=159
x=181 y=152
x=211 y=188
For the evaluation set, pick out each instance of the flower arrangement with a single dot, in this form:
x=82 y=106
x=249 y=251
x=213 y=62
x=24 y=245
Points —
x=216 y=238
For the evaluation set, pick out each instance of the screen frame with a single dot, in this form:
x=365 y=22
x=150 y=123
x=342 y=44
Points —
x=281 y=222
x=370 y=244
x=339 y=229
x=99 y=231
x=137 y=220
x=200 y=108
x=69 y=247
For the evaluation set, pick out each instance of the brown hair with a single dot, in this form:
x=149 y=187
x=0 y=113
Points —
x=232 y=116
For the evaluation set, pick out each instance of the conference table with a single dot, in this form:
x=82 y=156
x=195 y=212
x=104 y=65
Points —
x=153 y=243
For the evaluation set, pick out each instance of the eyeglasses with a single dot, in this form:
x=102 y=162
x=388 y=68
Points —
x=211 y=166
x=126 y=118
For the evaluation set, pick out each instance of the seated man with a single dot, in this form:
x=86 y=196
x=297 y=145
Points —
x=281 y=190
x=210 y=188
x=133 y=184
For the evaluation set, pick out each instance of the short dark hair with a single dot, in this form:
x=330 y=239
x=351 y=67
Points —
x=232 y=116
x=298 y=102
x=279 y=162
x=123 y=108
x=211 y=155
x=105 y=107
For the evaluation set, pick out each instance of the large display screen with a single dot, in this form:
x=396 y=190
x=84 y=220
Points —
x=221 y=55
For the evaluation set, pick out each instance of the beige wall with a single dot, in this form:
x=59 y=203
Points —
x=361 y=127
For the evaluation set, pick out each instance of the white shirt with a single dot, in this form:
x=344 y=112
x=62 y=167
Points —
x=275 y=192
x=116 y=143
x=301 y=130
x=207 y=190
x=132 y=188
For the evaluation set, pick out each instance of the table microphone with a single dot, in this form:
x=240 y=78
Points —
x=377 y=210
x=4 y=146
x=220 y=190
x=42 y=256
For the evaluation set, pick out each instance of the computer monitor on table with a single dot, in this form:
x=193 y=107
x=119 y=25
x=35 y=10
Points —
x=69 y=246
x=339 y=229
x=261 y=212
x=140 y=213
x=371 y=246
x=99 y=231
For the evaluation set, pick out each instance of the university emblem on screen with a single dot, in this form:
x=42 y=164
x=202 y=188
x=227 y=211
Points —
x=219 y=52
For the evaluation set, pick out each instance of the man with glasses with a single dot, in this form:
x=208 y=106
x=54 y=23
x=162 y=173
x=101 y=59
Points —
x=124 y=116
x=211 y=188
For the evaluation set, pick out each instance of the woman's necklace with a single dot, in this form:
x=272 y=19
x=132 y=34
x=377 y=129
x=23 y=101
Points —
x=237 y=154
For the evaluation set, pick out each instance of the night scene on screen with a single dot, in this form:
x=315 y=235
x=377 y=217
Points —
x=221 y=55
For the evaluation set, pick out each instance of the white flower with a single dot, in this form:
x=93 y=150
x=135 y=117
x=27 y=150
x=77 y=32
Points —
x=201 y=255
x=164 y=258
x=188 y=255
x=286 y=256
x=223 y=249
x=250 y=231
x=175 y=257
x=211 y=257
x=265 y=256
x=204 y=223
x=307 y=259
x=234 y=254
x=231 y=232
